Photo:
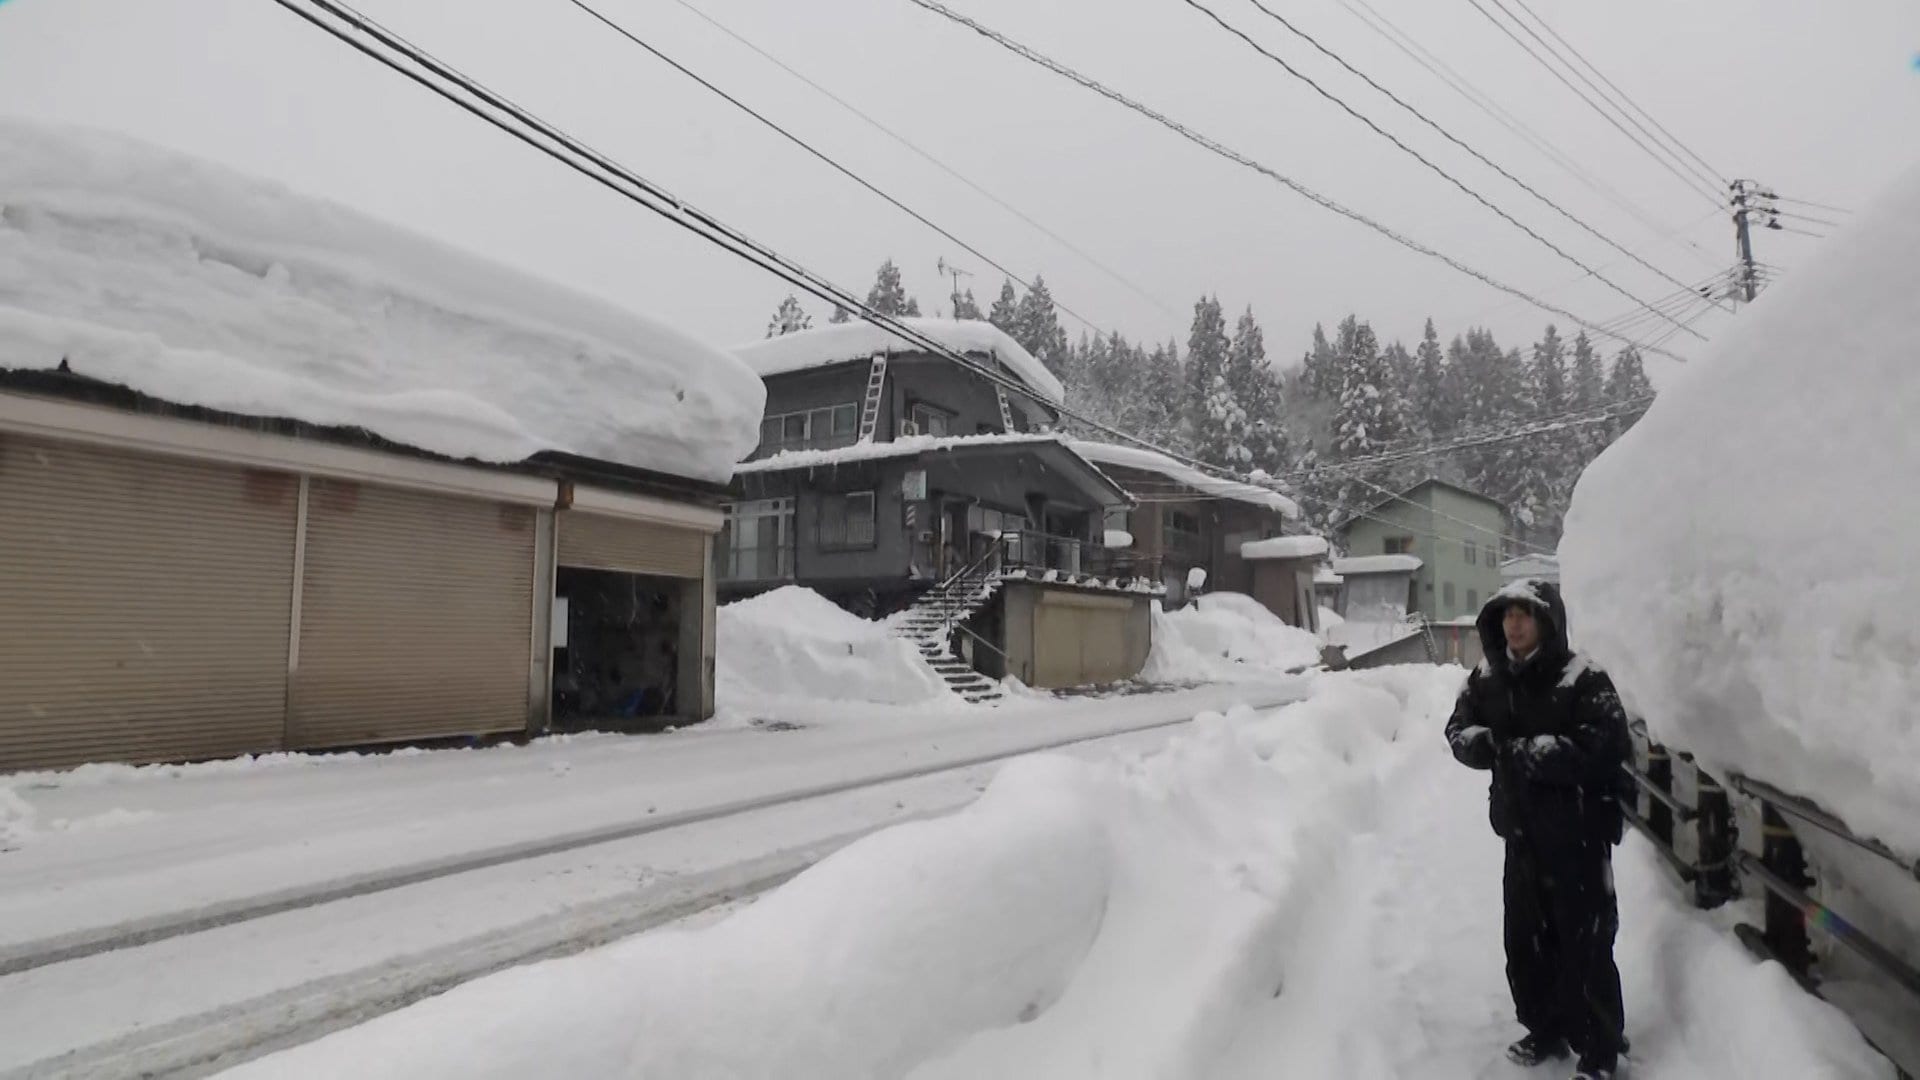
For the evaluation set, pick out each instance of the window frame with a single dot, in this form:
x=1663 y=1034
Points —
x=844 y=536
x=728 y=553
x=816 y=428
x=917 y=409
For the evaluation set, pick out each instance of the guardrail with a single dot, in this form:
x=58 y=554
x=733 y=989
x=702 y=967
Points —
x=1715 y=869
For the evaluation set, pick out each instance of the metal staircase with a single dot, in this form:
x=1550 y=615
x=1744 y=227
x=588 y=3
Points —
x=876 y=389
x=929 y=625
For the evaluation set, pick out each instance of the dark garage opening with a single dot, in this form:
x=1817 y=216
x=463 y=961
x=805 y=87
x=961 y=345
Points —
x=618 y=667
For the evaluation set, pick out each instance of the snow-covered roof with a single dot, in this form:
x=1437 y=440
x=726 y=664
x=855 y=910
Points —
x=839 y=343
x=1130 y=457
x=190 y=282
x=912 y=446
x=1531 y=559
x=1285 y=547
x=1742 y=561
x=1377 y=564
x=1324 y=575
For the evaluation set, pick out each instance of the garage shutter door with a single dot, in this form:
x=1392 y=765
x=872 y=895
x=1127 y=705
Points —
x=144 y=606
x=599 y=542
x=416 y=617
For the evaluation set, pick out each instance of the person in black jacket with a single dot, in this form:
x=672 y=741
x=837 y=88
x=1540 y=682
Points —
x=1551 y=728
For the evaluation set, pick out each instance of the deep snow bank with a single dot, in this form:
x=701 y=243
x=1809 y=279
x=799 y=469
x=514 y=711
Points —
x=196 y=284
x=1120 y=912
x=1743 y=561
x=793 y=643
x=1225 y=636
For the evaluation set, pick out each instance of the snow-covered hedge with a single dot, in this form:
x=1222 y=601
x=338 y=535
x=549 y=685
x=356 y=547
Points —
x=1744 y=561
x=793 y=643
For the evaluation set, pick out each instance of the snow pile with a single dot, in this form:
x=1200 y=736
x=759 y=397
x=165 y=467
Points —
x=793 y=643
x=1133 y=457
x=1743 y=560
x=837 y=344
x=16 y=819
x=1285 y=547
x=201 y=286
x=1225 y=636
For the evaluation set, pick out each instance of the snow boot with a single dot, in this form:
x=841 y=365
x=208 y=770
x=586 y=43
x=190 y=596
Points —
x=1595 y=1067
x=1535 y=1049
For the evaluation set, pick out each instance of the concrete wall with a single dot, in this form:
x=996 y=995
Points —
x=1059 y=637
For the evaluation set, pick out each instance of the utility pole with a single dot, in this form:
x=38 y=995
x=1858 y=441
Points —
x=1751 y=201
x=956 y=274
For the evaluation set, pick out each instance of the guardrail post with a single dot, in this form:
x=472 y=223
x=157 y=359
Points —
x=1716 y=840
x=1660 y=773
x=1786 y=925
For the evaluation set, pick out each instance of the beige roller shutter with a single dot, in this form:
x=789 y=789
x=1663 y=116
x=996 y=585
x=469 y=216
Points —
x=604 y=542
x=144 y=605
x=416 y=617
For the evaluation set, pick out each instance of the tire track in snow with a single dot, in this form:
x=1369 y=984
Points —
x=84 y=943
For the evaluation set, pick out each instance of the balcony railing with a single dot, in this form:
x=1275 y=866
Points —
x=1068 y=558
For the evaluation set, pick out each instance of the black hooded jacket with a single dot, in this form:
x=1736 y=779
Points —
x=1551 y=729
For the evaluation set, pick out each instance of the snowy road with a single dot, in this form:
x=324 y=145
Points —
x=1308 y=893
x=262 y=906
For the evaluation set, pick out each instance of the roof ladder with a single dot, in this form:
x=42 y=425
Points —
x=1006 y=410
x=870 y=409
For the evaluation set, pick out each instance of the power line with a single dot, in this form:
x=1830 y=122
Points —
x=1808 y=218
x=931 y=159
x=1448 y=135
x=510 y=118
x=819 y=154
x=1693 y=182
x=1622 y=94
x=1580 y=418
x=1238 y=158
x=1415 y=154
x=1811 y=203
x=1388 y=31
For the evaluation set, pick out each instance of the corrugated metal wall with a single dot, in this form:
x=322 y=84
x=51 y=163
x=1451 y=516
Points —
x=603 y=542
x=416 y=612
x=144 y=606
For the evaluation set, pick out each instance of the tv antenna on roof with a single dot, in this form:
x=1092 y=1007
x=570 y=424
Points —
x=956 y=274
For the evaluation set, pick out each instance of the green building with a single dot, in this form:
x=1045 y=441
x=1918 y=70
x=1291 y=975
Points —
x=1456 y=533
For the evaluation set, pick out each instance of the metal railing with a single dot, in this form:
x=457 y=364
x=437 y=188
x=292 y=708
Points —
x=1781 y=870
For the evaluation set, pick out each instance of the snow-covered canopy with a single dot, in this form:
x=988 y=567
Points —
x=1131 y=457
x=190 y=282
x=1377 y=564
x=1324 y=575
x=1743 y=561
x=839 y=343
x=912 y=446
x=1284 y=547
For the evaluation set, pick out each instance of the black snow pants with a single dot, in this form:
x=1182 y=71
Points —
x=1561 y=918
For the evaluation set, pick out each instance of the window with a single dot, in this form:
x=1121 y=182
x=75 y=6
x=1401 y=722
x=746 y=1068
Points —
x=1473 y=600
x=811 y=429
x=1399 y=545
x=1473 y=554
x=1446 y=595
x=1180 y=532
x=1119 y=520
x=929 y=420
x=756 y=541
x=846 y=521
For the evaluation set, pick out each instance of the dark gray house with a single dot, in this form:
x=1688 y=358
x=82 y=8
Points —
x=902 y=485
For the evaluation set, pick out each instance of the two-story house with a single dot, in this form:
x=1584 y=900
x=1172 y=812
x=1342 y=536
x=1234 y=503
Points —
x=1183 y=519
x=900 y=484
x=1455 y=532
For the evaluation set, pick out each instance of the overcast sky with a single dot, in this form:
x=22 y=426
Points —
x=1819 y=100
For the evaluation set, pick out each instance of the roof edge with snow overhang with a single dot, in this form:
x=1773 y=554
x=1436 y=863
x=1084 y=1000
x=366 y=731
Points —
x=844 y=343
x=1284 y=547
x=921 y=445
x=1128 y=457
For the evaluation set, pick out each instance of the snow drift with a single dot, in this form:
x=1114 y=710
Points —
x=793 y=643
x=193 y=283
x=1225 y=636
x=1296 y=894
x=1743 y=560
